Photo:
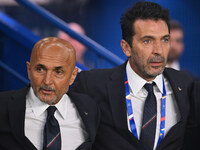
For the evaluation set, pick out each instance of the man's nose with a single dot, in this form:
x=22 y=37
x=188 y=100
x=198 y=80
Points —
x=157 y=48
x=48 y=78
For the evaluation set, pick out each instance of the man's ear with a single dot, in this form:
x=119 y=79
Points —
x=74 y=73
x=28 y=69
x=126 y=48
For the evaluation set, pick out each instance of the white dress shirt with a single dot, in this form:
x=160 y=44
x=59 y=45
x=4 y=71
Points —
x=72 y=129
x=138 y=97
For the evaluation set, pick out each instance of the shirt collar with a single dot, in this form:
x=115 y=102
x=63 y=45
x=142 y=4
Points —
x=159 y=82
x=39 y=107
x=136 y=82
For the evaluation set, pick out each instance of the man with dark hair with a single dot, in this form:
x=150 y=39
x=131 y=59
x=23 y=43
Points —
x=144 y=106
x=141 y=11
x=176 y=45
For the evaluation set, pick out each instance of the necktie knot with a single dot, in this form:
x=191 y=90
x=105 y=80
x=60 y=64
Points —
x=51 y=110
x=149 y=87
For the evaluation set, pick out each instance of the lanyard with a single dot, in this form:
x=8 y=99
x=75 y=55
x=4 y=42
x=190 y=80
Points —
x=130 y=111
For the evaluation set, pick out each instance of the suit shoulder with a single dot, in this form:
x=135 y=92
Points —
x=102 y=72
x=97 y=72
x=181 y=75
x=7 y=94
x=81 y=98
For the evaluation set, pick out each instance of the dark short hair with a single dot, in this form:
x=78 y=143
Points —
x=141 y=10
x=175 y=25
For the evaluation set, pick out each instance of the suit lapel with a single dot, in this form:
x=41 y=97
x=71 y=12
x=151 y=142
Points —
x=87 y=111
x=116 y=89
x=16 y=111
x=178 y=91
x=117 y=100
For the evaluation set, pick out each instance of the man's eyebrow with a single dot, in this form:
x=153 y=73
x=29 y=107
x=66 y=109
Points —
x=147 y=37
x=151 y=37
x=166 y=36
x=40 y=65
x=59 y=67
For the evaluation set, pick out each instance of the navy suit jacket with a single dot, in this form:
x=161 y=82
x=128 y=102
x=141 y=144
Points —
x=193 y=132
x=106 y=87
x=12 y=117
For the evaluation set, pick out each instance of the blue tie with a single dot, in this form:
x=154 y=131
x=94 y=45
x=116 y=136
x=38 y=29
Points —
x=148 y=131
x=52 y=138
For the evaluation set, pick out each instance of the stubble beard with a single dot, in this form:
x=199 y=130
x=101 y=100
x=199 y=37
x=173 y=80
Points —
x=146 y=72
x=44 y=97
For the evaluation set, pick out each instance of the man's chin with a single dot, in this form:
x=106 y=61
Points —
x=48 y=100
x=155 y=72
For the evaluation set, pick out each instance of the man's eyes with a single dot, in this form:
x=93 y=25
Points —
x=147 y=41
x=56 y=72
x=165 y=40
x=59 y=72
x=40 y=69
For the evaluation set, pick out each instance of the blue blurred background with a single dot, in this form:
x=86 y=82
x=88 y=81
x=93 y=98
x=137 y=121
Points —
x=101 y=21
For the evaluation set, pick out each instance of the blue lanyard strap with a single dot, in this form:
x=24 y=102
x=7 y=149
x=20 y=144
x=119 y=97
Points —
x=162 y=120
x=131 y=116
x=129 y=109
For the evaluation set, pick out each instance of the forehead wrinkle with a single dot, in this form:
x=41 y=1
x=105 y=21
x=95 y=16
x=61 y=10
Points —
x=47 y=43
x=151 y=31
x=49 y=56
